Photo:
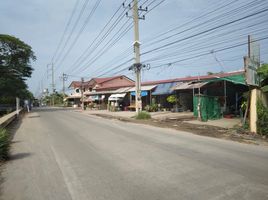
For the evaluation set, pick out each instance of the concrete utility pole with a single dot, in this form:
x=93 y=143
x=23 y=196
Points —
x=52 y=81
x=82 y=93
x=137 y=65
x=53 y=85
x=64 y=78
x=253 y=89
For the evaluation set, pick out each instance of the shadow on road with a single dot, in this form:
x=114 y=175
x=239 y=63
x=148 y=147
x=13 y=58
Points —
x=19 y=156
x=52 y=109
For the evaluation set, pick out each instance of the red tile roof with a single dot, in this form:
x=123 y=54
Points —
x=193 y=78
x=185 y=79
x=102 y=80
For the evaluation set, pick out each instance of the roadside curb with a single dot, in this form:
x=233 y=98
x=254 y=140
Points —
x=202 y=130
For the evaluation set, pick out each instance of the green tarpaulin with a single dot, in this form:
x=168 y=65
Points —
x=236 y=79
x=210 y=107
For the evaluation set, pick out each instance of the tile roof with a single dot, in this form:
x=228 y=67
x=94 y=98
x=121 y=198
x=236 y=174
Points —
x=102 y=80
x=194 y=78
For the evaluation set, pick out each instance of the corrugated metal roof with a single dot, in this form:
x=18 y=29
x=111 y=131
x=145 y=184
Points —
x=97 y=93
x=122 y=90
x=143 y=88
x=188 y=85
x=164 y=88
x=195 y=78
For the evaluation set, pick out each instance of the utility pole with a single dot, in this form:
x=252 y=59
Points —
x=52 y=81
x=137 y=56
x=137 y=65
x=64 y=78
x=199 y=100
x=82 y=93
x=53 y=85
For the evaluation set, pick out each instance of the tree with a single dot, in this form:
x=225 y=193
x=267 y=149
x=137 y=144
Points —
x=263 y=73
x=15 y=67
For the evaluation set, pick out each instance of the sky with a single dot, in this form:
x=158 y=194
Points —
x=173 y=36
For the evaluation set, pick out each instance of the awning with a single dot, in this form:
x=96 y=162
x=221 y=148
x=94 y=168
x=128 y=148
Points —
x=189 y=85
x=98 y=93
x=115 y=97
x=122 y=90
x=143 y=88
x=117 y=91
x=74 y=96
x=164 y=88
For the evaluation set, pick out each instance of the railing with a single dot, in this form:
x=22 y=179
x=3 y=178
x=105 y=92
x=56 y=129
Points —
x=7 y=119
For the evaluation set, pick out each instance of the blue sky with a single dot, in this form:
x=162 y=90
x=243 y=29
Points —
x=41 y=23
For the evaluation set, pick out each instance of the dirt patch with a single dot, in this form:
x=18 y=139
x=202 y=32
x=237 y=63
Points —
x=180 y=123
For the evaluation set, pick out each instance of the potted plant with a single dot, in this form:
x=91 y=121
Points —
x=174 y=100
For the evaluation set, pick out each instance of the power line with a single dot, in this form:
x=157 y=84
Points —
x=202 y=32
x=66 y=28
x=81 y=30
x=197 y=56
x=77 y=61
x=117 y=21
x=72 y=31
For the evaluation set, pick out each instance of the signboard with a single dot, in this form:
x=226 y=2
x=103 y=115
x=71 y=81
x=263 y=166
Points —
x=143 y=93
x=252 y=62
x=251 y=67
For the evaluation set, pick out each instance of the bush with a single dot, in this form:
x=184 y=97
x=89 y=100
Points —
x=262 y=122
x=143 y=115
x=151 y=108
x=4 y=144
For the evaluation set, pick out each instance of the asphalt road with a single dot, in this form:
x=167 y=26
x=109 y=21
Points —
x=62 y=155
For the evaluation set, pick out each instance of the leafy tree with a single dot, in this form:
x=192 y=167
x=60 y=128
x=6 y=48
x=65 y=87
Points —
x=210 y=73
x=263 y=73
x=15 y=67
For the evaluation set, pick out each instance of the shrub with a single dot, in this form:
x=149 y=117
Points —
x=262 y=122
x=172 y=99
x=4 y=144
x=143 y=115
x=151 y=108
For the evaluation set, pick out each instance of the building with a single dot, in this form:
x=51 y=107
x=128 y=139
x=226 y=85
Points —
x=119 y=91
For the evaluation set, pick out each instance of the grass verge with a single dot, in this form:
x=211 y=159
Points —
x=143 y=115
x=4 y=144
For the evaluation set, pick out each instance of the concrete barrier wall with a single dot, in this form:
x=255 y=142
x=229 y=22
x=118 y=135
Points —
x=7 y=119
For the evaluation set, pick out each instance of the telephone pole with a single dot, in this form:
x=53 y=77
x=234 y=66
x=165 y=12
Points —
x=64 y=78
x=53 y=85
x=82 y=93
x=137 y=65
x=52 y=80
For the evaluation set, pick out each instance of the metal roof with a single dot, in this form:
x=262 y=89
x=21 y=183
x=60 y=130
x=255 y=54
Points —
x=188 y=85
x=97 y=93
x=143 y=88
x=164 y=88
x=122 y=90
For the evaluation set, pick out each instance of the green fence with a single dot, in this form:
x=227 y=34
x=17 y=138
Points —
x=210 y=107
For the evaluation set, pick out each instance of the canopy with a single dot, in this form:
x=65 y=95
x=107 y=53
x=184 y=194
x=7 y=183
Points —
x=97 y=93
x=236 y=79
x=164 y=88
x=115 y=97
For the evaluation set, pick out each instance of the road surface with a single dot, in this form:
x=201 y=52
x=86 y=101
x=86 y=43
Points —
x=64 y=155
